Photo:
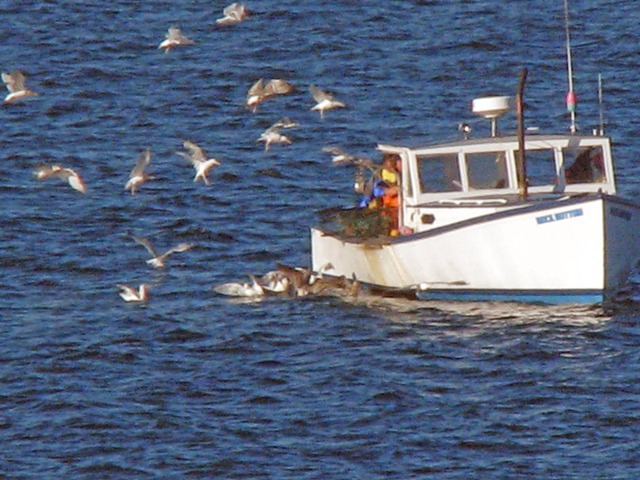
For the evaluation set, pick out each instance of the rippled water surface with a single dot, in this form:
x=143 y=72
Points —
x=193 y=385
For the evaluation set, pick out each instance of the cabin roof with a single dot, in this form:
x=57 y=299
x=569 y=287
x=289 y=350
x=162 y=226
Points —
x=506 y=139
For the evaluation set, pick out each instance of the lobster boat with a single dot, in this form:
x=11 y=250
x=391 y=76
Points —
x=531 y=218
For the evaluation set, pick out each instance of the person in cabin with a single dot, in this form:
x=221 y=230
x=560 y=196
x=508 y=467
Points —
x=383 y=184
x=383 y=192
x=588 y=167
x=390 y=175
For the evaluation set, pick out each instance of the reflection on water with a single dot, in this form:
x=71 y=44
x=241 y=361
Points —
x=490 y=313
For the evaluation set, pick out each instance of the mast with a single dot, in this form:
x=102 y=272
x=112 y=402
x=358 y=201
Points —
x=521 y=166
x=571 y=95
x=600 y=105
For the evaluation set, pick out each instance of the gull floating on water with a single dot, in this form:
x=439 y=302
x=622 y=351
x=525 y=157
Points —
x=138 y=176
x=130 y=294
x=301 y=278
x=175 y=38
x=43 y=172
x=260 y=91
x=338 y=286
x=234 y=13
x=324 y=100
x=156 y=260
x=17 y=86
x=286 y=280
x=233 y=289
x=274 y=282
x=199 y=160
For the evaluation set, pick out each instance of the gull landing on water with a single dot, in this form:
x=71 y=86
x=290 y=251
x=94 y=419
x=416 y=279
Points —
x=259 y=92
x=174 y=39
x=199 y=160
x=138 y=176
x=234 y=13
x=130 y=294
x=70 y=176
x=159 y=261
x=17 y=86
x=324 y=101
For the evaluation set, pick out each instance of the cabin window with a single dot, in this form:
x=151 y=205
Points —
x=487 y=170
x=584 y=165
x=541 y=167
x=439 y=173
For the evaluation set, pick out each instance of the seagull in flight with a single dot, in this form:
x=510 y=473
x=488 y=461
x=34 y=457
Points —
x=130 y=294
x=261 y=91
x=234 y=13
x=17 y=86
x=273 y=135
x=286 y=122
x=43 y=172
x=340 y=157
x=324 y=101
x=199 y=160
x=156 y=260
x=138 y=176
x=175 y=38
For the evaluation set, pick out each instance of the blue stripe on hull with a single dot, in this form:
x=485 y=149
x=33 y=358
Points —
x=547 y=297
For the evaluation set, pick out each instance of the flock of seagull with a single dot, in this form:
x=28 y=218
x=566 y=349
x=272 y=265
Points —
x=292 y=282
x=285 y=280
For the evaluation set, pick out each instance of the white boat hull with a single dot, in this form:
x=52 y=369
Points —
x=576 y=250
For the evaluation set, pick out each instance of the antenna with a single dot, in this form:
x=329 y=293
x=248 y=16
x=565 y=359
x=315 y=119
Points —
x=600 y=105
x=571 y=96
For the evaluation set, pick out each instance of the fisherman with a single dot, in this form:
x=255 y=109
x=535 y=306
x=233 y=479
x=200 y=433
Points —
x=385 y=190
x=390 y=175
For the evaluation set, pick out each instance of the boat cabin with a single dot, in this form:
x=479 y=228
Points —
x=480 y=175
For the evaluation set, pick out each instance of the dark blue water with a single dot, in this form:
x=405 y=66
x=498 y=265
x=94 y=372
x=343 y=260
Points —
x=193 y=385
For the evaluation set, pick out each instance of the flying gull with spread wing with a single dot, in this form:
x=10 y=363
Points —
x=43 y=172
x=234 y=13
x=324 y=101
x=17 y=86
x=138 y=176
x=157 y=260
x=261 y=91
x=130 y=294
x=198 y=158
x=273 y=135
x=174 y=38
x=339 y=157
